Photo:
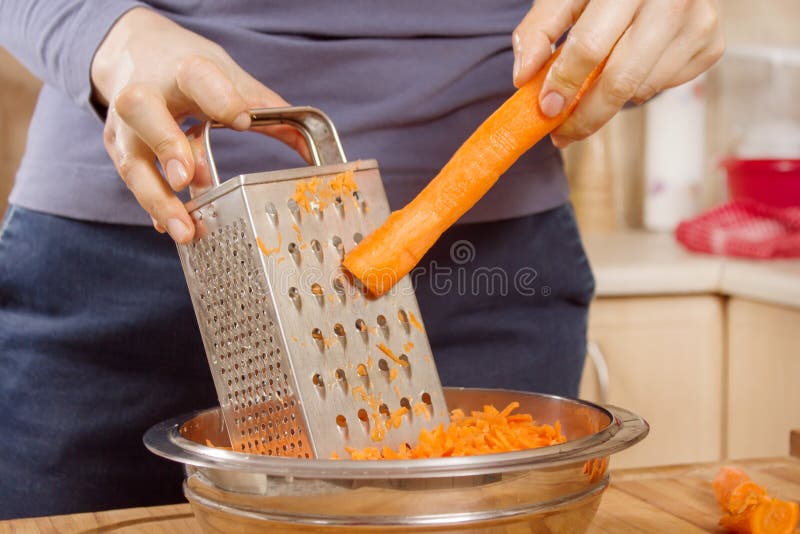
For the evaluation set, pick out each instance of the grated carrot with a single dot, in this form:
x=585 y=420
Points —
x=481 y=432
x=387 y=351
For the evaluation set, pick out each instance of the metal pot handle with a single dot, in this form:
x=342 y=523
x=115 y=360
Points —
x=316 y=127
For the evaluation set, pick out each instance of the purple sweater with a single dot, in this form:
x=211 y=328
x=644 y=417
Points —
x=405 y=82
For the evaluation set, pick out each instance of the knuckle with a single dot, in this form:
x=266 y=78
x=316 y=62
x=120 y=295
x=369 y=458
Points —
x=716 y=50
x=586 y=49
x=561 y=77
x=131 y=98
x=192 y=64
x=622 y=87
x=645 y=92
x=708 y=23
x=109 y=137
x=166 y=146
x=680 y=7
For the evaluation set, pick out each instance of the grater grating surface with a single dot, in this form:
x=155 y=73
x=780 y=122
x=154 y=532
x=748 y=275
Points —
x=304 y=364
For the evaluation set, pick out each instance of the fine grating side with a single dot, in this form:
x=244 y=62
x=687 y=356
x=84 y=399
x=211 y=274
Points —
x=303 y=362
x=245 y=357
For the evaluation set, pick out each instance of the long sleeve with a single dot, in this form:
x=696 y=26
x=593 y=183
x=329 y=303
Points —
x=57 y=39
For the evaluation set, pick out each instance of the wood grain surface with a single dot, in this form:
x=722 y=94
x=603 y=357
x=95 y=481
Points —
x=652 y=500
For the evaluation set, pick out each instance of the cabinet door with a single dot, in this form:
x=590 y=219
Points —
x=664 y=357
x=763 y=378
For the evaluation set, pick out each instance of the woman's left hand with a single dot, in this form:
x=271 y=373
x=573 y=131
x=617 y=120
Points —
x=651 y=45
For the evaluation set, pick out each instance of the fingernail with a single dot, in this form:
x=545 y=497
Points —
x=552 y=104
x=157 y=226
x=242 y=122
x=559 y=141
x=176 y=174
x=178 y=230
x=517 y=47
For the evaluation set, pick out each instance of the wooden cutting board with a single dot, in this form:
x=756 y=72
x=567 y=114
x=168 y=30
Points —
x=665 y=499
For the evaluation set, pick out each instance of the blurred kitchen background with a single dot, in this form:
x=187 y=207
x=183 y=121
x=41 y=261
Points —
x=707 y=348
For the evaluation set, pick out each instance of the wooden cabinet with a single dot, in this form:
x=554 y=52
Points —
x=763 y=394
x=665 y=362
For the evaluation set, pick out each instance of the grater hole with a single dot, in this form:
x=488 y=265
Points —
x=384 y=410
x=363 y=415
x=359 y=199
x=341 y=421
x=337 y=243
x=317 y=380
x=361 y=326
x=340 y=375
x=271 y=211
x=294 y=208
x=357 y=237
x=405 y=403
x=316 y=333
x=338 y=329
x=383 y=365
x=361 y=370
x=404 y=358
x=426 y=398
x=402 y=316
x=316 y=290
x=316 y=248
x=381 y=321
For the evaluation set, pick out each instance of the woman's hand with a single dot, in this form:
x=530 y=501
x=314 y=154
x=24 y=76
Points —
x=656 y=44
x=153 y=74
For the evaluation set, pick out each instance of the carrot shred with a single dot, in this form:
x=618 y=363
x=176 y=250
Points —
x=748 y=508
x=482 y=432
x=389 y=253
x=387 y=351
x=267 y=251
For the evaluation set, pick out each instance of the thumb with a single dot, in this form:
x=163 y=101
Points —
x=542 y=26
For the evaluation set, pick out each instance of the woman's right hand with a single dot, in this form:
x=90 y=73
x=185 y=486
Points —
x=152 y=74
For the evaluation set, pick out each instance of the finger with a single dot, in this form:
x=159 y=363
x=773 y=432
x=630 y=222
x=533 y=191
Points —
x=202 y=176
x=143 y=108
x=257 y=95
x=695 y=55
x=205 y=84
x=542 y=26
x=136 y=167
x=700 y=63
x=633 y=58
x=589 y=42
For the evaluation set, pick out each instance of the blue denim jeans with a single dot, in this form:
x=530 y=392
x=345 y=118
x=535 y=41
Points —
x=98 y=341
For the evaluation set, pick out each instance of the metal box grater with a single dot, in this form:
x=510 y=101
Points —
x=303 y=362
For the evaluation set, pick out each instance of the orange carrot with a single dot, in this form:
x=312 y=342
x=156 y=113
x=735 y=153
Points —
x=481 y=432
x=735 y=491
x=392 y=250
x=749 y=510
x=770 y=516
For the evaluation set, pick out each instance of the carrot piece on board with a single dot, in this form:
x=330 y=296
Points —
x=749 y=510
x=392 y=250
x=770 y=516
x=735 y=491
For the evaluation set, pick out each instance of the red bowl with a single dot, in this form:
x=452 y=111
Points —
x=775 y=182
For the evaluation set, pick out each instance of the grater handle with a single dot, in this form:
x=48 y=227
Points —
x=316 y=127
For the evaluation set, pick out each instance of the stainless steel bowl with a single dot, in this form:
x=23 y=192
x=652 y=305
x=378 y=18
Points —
x=552 y=489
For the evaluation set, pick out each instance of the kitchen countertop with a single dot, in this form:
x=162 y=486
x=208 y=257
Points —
x=641 y=263
x=663 y=499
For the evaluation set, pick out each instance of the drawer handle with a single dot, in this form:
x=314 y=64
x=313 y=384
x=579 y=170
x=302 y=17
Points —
x=597 y=358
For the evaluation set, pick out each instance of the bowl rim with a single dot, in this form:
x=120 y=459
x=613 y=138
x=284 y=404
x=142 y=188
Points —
x=624 y=430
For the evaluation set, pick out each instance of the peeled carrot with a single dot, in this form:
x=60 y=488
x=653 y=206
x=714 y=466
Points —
x=749 y=510
x=735 y=491
x=392 y=250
